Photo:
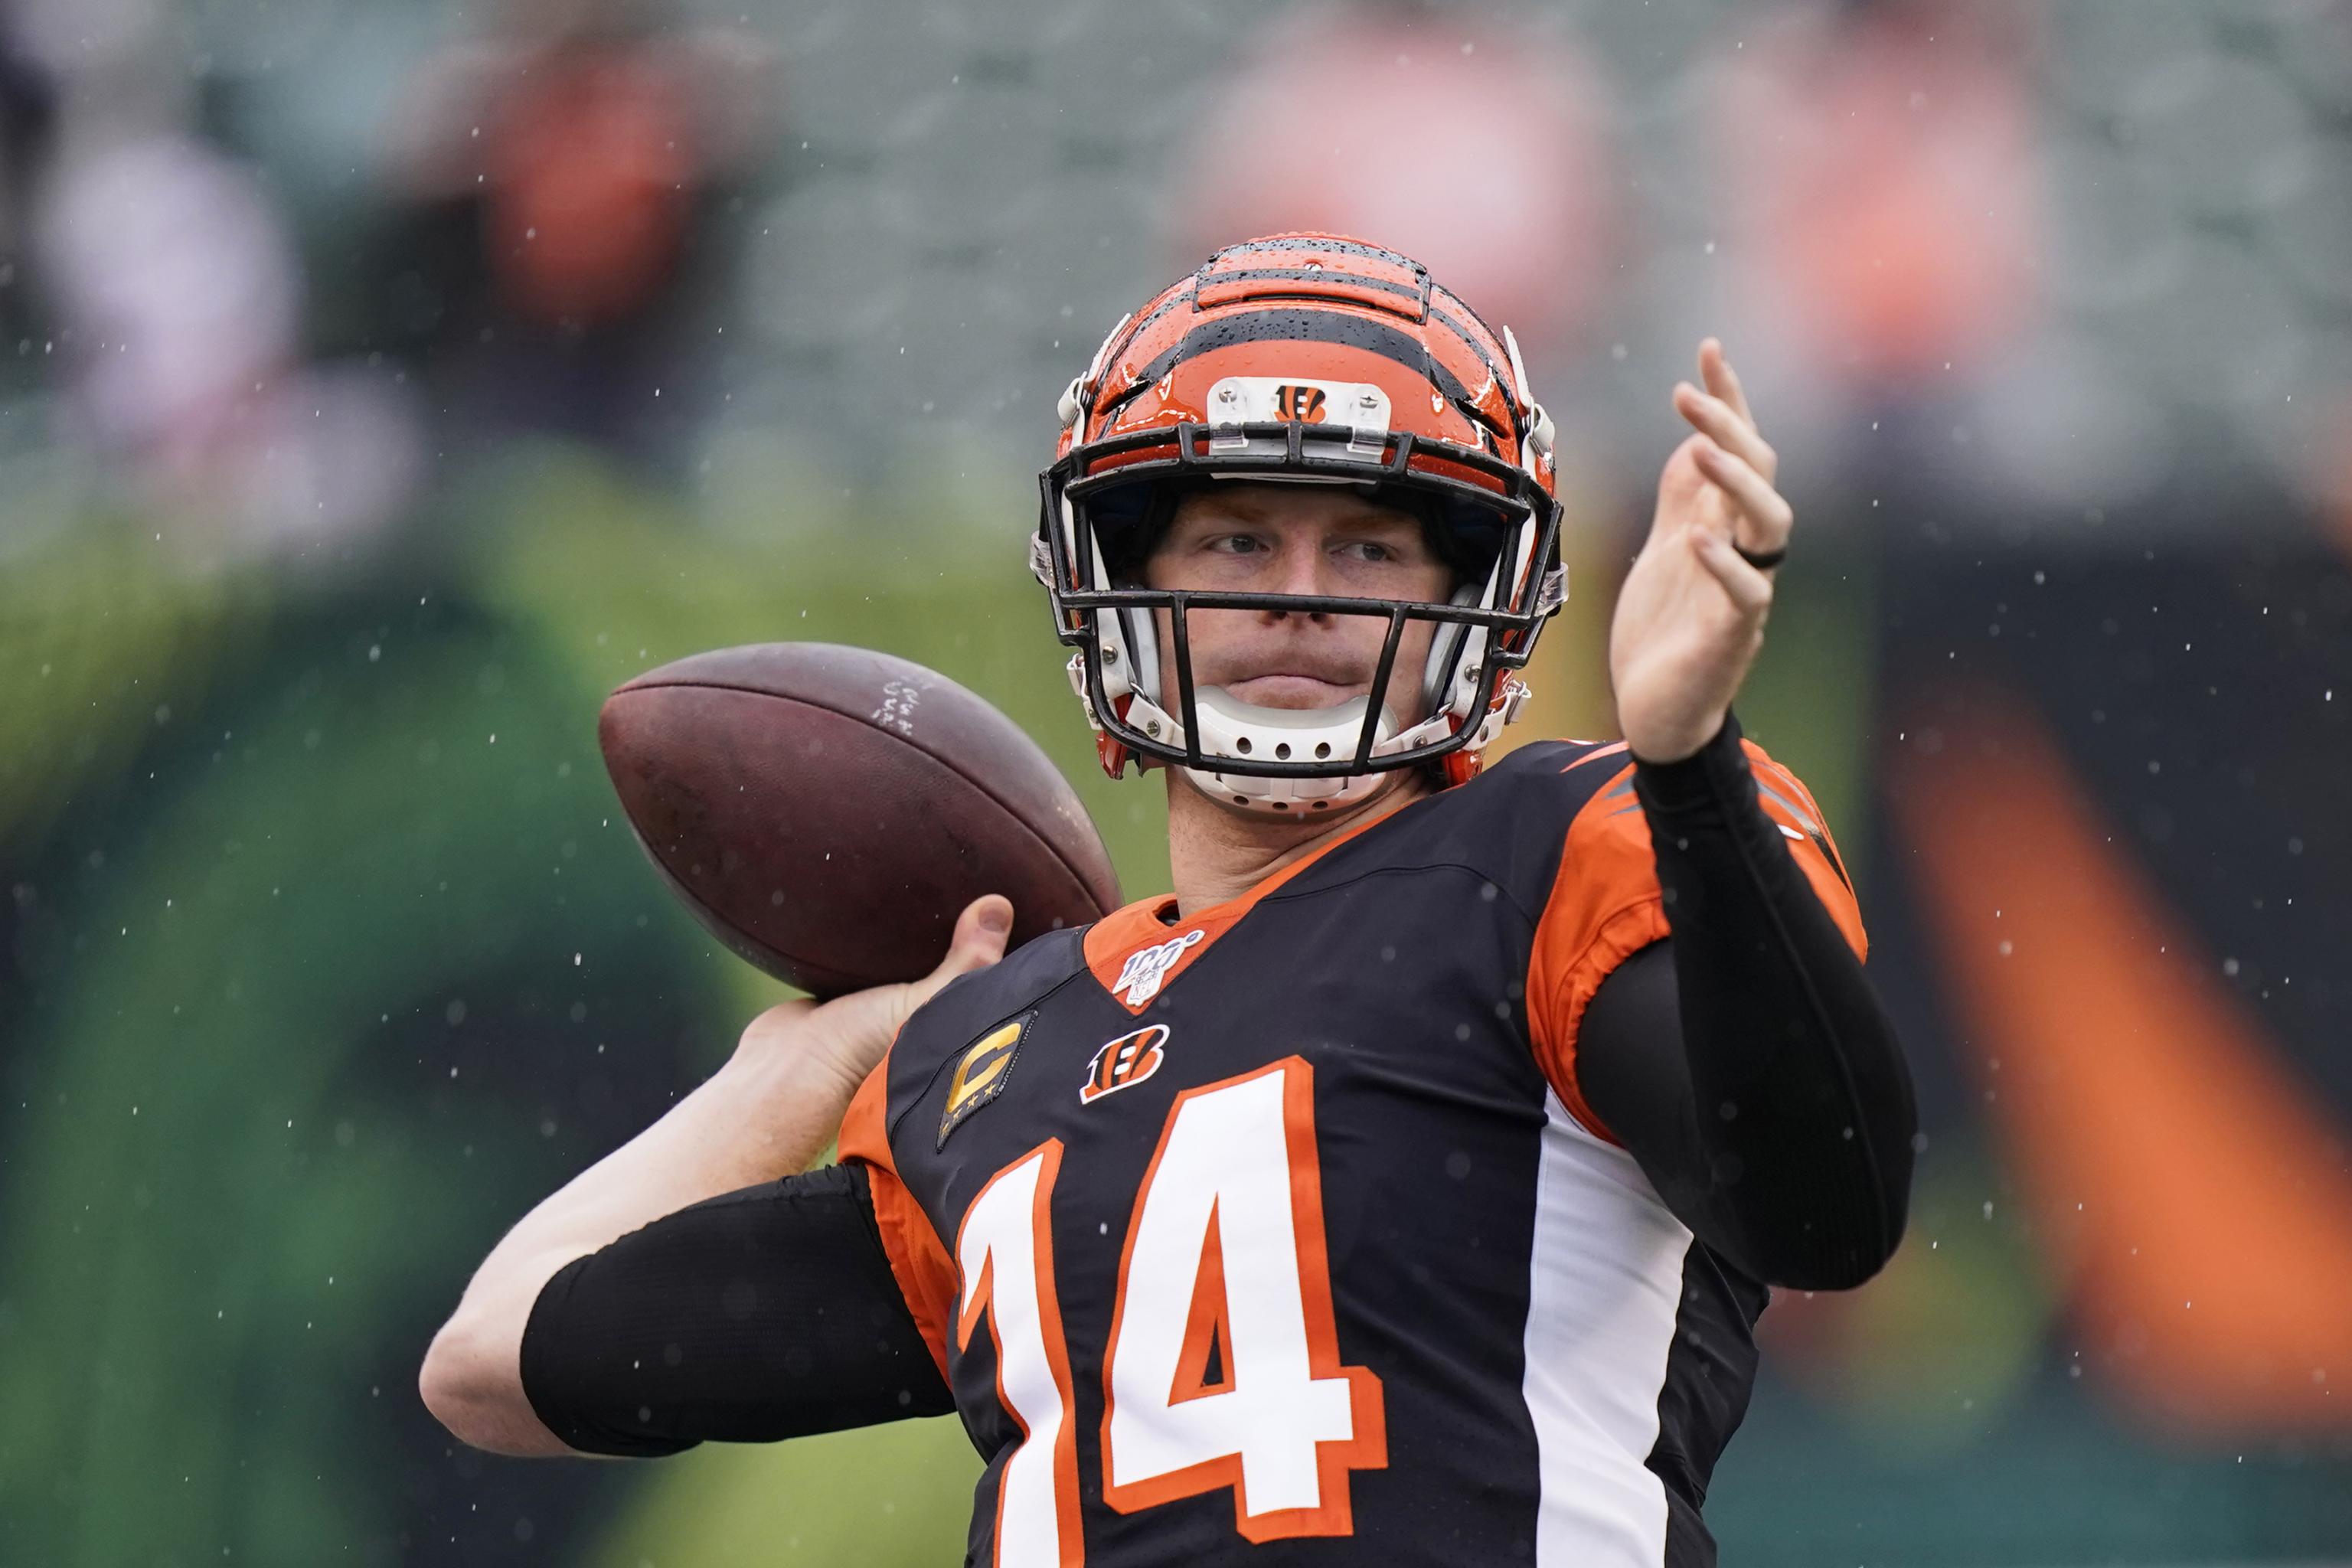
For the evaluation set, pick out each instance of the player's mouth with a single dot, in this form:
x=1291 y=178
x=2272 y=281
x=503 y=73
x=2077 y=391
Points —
x=1296 y=689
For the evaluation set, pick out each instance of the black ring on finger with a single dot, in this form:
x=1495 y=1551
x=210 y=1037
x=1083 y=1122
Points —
x=1762 y=560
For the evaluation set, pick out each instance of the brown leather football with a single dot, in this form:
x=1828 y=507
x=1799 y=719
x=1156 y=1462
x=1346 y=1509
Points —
x=827 y=812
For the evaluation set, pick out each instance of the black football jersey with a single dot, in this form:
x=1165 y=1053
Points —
x=1280 y=1234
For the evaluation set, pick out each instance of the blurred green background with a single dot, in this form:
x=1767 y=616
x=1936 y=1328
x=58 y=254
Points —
x=383 y=382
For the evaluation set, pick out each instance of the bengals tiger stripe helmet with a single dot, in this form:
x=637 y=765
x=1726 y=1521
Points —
x=1306 y=358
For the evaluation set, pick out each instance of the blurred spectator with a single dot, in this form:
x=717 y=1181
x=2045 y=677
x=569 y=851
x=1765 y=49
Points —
x=1880 y=163
x=169 y=266
x=572 y=150
x=172 y=301
x=1460 y=141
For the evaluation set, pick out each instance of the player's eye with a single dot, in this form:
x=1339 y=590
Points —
x=1236 y=544
x=1372 y=552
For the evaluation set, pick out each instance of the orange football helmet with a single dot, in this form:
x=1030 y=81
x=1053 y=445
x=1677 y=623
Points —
x=1307 y=358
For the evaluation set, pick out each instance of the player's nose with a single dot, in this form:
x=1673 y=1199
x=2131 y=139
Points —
x=1303 y=570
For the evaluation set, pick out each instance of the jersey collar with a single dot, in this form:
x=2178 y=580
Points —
x=1137 y=952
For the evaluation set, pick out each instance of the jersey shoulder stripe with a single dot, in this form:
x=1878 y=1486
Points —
x=1605 y=904
x=1803 y=822
x=924 y=1274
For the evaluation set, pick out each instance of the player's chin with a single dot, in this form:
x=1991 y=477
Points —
x=1389 y=786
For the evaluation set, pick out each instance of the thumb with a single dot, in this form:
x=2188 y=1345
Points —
x=981 y=933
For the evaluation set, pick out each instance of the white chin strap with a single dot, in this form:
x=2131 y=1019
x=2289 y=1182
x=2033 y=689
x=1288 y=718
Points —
x=1232 y=728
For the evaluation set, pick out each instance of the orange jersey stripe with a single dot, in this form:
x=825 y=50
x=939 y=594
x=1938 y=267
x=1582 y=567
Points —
x=1606 y=905
x=926 y=1274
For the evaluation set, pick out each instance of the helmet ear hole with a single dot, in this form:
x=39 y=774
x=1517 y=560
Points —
x=1128 y=522
x=1142 y=640
x=1448 y=648
x=1130 y=643
x=1466 y=537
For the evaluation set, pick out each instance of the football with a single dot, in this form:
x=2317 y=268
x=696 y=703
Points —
x=827 y=812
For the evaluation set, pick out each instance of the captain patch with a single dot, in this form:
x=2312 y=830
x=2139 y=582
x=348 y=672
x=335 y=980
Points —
x=981 y=1070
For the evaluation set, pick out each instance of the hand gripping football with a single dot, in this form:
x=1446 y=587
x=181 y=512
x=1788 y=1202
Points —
x=827 y=812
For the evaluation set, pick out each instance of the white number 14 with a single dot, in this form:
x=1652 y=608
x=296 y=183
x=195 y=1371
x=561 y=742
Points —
x=1223 y=1365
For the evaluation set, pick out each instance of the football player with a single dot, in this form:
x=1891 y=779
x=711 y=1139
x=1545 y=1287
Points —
x=1402 y=1187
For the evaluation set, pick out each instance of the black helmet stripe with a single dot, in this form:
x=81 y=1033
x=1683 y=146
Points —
x=1511 y=393
x=1306 y=275
x=1325 y=326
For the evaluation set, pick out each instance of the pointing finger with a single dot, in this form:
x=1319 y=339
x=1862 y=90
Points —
x=1718 y=419
x=1722 y=380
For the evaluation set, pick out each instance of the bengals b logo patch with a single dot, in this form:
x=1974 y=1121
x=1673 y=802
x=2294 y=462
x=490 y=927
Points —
x=1127 y=1060
x=982 y=1071
x=1302 y=404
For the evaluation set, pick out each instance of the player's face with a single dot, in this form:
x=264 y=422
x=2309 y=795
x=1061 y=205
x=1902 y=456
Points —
x=1297 y=539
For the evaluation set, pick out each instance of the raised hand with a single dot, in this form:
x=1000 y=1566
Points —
x=1690 y=617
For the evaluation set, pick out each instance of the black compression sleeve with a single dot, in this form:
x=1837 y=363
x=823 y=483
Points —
x=1780 y=1128
x=761 y=1314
